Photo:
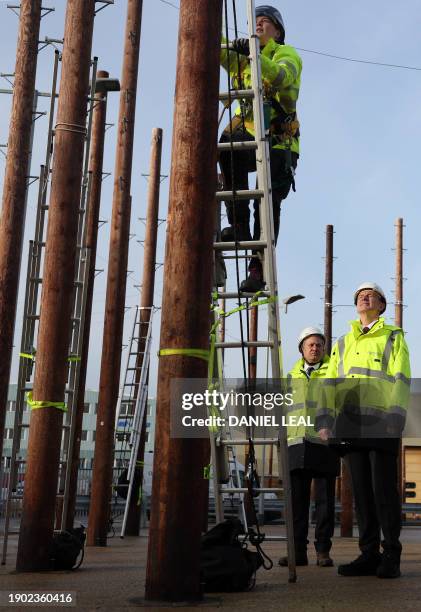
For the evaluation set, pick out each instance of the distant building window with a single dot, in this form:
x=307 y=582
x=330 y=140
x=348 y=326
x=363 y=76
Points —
x=86 y=408
x=8 y=434
x=84 y=435
x=123 y=437
x=7 y=462
x=96 y=408
x=147 y=437
x=23 y=433
x=93 y=436
x=11 y=407
x=127 y=408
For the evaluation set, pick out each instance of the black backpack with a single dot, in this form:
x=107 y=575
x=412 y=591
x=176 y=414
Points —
x=66 y=548
x=226 y=564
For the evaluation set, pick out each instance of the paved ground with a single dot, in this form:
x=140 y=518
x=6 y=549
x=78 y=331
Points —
x=112 y=578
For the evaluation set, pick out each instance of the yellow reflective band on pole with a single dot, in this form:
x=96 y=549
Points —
x=27 y=356
x=36 y=404
x=73 y=358
x=199 y=353
x=207 y=472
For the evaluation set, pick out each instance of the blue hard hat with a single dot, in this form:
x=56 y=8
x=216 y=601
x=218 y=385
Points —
x=272 y=13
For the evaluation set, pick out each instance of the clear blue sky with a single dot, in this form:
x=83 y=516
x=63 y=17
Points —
x=360 y=154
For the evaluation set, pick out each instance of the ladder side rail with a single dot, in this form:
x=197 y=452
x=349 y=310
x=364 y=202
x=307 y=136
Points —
x=263 y=171
x=72 y=403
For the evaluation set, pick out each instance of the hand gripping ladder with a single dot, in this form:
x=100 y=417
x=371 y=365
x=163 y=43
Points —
x=223 y=442
x=131 y=407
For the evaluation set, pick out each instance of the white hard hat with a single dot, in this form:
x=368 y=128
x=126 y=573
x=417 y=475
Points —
x=309 y=331
x=374 y=287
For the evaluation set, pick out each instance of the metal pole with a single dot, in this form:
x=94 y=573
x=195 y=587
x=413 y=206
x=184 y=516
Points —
x=54 y=329
x=12 y=220
x=146 y=303
x=116 y=286
x=346 y=502
x=95 y=167
x=328 y=288
x=173 y=566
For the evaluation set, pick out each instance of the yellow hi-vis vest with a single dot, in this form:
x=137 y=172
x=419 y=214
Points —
x=281 y=75
x=305 y=393
x=373 y=370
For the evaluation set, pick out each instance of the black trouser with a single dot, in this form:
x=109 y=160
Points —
x=374 y=475
x=324 y=489
x=245 y=162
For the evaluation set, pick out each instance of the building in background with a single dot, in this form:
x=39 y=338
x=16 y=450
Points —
x=88 y=428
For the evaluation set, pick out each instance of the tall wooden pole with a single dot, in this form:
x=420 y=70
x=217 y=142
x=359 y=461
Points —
x=328 y=288
x=399 y=273
x=399 y=323
x=116 y=285
x=59 y=269
x=146 y=303
x=93 y=207
x=12 y=220
x=173 y=566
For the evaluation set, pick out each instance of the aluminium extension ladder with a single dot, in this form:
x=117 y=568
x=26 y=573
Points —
x=223 y=443
x=132 y=404
x=31 y=318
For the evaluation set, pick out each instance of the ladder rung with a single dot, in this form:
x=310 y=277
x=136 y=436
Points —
x=235 y=94
x=245 y=490
x=229 y=295
x=247 y=145
x=256 y=344
x=246 y=245
x=35 y=317
x=256 y=442
x=35 y=279
x=241 y=194
x=133 y=369
x=275 y=538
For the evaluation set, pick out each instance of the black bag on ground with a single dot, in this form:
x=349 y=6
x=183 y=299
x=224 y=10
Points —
x=225 y=563
x=67 y=547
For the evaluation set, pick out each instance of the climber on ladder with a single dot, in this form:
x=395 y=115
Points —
x=281 y=71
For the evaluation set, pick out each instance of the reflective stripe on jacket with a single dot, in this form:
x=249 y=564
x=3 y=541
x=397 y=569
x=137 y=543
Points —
x=281 y=75
x=305 y=393
x=371 y=371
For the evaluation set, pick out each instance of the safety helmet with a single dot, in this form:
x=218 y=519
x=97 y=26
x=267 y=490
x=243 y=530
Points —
x=374 y=287
x=307 y=332
x=273 y=14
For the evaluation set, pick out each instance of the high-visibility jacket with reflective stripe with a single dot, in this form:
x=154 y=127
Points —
x=378 y=362
x=281 y=75
x=305 y=392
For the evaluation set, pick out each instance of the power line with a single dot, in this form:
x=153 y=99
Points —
x=331 y=55
x=359 y=61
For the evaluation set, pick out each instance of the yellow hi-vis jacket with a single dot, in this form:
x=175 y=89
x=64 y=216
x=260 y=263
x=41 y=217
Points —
x=368 y=374
x=281 y=76
x=305 y=392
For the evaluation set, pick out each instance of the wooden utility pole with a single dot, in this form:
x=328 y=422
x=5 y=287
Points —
x=116 y=285
x=93 y=207
x=12 y=220
x=146 y=303
x=173 y=567
x=328 y=288
x=399 y=274
x=399 y=323
x=58 y=285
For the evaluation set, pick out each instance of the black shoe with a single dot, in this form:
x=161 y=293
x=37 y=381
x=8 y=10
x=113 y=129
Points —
x=300 y=559
x=254 y=282
x=389 y=566
x=236 y=233
x=364 y=565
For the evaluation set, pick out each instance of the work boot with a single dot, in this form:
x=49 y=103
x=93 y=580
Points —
x=300 y=559
x=389 y=566
x=364 y=565
x=236 y=233
x=324 y=559
x=254 y=282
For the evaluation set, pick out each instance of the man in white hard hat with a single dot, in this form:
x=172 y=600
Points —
x=281 y=73
x=308 y=458
x=367 y=390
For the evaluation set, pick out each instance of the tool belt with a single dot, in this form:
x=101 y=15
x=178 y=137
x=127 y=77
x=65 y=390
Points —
x=285 y=129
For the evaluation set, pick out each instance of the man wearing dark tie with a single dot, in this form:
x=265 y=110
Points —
x=364 y=405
